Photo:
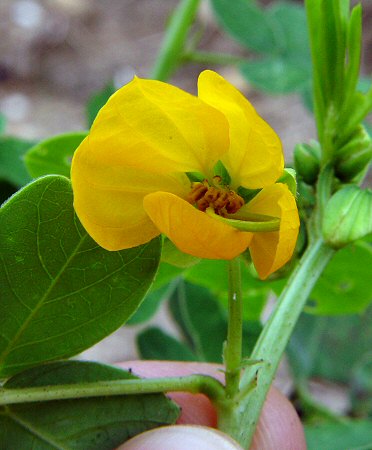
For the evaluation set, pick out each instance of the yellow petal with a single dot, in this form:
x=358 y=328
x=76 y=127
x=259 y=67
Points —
x=156 y=127
x=255 y=156
x=272 y=250
x=193 y=231
x=108 y=199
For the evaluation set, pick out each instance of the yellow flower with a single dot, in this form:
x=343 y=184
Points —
x=131 y=175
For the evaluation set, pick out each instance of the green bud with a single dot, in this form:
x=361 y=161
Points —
x=307 y=161
x=353 y=158
x=347 y=216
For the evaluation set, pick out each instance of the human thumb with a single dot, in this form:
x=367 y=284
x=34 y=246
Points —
x=181 y=437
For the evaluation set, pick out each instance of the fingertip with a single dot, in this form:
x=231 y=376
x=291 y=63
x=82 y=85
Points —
x=181 y=437
x=279 y=427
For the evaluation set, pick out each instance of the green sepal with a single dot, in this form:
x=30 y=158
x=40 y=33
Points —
x=247 y=194
x=221 y=171
x=347 y=216
x=353 y=158
x=172 y=255
x=289 y=178
x=250 y=222
x=307 y=161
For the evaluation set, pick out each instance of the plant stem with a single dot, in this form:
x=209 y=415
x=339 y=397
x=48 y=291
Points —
x=275 y=336
x=212 y=58
x=193 y=383
x=233 y=347
x=174 y=41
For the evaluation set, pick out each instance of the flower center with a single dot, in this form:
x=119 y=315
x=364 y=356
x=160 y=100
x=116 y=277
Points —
x=217 y=196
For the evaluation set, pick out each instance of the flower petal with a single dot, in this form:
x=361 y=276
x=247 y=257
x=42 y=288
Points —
x=159 y=128
x=193 y=231
x=272 y=250
x=255 y=157
x=108 y=198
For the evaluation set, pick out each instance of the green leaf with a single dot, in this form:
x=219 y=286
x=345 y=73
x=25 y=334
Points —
x=153 y=343
x=276 y=74
x=2 y=123
x=344 y=341
x=165 y=274
x=213 y=275
x=61 y=292
x=291 y=31
x=100 y=423
x=97 y=100
x=12 y=166
x=204 y=323
x=361 y=387
x=353 y=435
x=54 y=155
x=151 y=303
x=345 y=285
x=247 y=23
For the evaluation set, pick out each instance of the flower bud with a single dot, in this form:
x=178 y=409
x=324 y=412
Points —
x=353 y=158
x=348 y=216
x=307 y=161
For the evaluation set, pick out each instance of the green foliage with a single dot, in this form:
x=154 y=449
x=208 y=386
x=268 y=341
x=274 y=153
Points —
x=344 y=341
x=2 y=123
x=351 y=435
x=345 y=285
x=97 y=423
x=361 y=387
x=191 y=305
x=212 y=274
x=61 y=291
x=202 y=339
x=153 y=343
x=151 y=303
x=12 y=166
x=54 y=155
x=247 y=23
x=278 y=34
x=340 y=107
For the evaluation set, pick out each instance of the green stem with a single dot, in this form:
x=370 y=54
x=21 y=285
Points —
x=233 y=348
x=174 y=41
x=212 y=58
x=274 y=338
x=193 y=383
x=228 y=413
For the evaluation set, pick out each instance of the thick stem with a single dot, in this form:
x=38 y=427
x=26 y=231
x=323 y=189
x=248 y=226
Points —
x=274 y=338
x=193 y=383
x=173 y=45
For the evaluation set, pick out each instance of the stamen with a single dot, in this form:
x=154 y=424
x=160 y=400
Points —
x=223 y=200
